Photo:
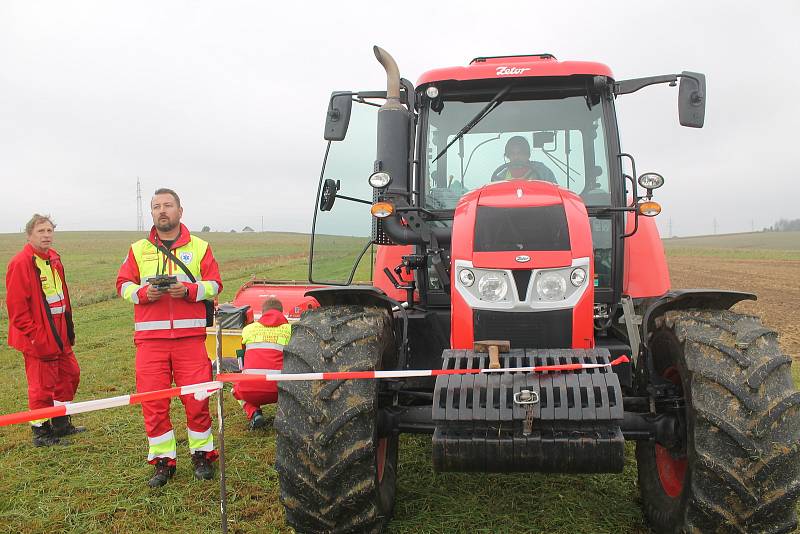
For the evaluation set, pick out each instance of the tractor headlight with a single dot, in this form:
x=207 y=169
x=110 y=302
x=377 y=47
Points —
x=577 y=277
x=492 y=287
x=466 y=277
x=551 y=286
x=651 y=180
x=380 y=179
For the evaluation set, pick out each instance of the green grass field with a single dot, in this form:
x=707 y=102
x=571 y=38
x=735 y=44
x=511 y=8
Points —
x=98 y=483
x=747 y=246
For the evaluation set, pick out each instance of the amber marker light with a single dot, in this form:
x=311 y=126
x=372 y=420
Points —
x=650 y=208
x=381 y=210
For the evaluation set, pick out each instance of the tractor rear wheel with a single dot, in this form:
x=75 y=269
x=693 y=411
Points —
x=336 y=473
x=737 y=468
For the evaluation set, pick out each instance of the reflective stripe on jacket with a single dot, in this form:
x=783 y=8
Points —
x=52 y=285
x=169 y=317
x=264 y=341
x=39 y=309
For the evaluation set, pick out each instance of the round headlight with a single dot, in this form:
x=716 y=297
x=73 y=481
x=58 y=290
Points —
x=380 y=179
x=651 y=180
x=551 y=286
x=432 y=92
x=577 y=277
x=466 y=277
x=492 y=287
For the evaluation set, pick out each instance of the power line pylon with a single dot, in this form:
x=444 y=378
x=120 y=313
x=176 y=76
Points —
x=139 y=216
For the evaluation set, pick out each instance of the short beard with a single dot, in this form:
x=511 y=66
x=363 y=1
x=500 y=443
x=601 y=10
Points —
x=166 y=227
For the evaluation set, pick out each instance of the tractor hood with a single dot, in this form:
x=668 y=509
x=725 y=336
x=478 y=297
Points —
x=521 y=224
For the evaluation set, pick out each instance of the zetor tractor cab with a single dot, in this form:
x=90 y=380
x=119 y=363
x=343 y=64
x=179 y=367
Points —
x=508 y=229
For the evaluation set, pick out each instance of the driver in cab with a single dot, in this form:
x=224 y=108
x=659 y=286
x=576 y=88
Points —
x=519 y=166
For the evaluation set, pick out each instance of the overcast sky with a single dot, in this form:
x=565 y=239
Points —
x=225 y=101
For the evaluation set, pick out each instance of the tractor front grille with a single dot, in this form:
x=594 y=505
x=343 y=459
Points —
x=531 y=330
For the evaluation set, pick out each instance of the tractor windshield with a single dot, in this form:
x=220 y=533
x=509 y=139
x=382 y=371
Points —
x=558 y=140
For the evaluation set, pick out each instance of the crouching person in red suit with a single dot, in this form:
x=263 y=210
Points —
x=40 y=326
x=263 y=342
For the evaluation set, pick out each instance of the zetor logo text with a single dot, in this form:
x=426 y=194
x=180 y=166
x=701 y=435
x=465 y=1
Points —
x=505 y=71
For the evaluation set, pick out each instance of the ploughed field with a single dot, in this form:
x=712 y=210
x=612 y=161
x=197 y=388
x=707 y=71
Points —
x=764 y=263
x=97 y=484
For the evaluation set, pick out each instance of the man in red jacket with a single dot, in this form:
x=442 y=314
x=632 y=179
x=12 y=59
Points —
x=263 y=342
x=40 y=326
x=170 y=277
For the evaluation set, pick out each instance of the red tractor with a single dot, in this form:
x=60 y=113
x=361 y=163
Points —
x=509 y=229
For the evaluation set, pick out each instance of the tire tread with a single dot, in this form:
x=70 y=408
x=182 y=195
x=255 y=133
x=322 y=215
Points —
x=745 y=418
x=325 y=431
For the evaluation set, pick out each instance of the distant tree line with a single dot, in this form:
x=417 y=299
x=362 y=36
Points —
x=784 y=225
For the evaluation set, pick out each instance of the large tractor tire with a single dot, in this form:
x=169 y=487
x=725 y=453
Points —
x=336 y=474
x=737 y=468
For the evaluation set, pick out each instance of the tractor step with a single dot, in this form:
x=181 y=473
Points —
x=510 y=422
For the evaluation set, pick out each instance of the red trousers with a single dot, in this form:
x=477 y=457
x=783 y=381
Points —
x=51 y=379
x=254 y=396
x=158 y=363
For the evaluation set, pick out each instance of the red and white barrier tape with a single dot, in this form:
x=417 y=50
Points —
x=255 y=375
x=204 y=389
x=200 y=391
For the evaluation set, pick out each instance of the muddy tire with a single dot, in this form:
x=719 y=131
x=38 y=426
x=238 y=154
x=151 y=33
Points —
x=336 y=475
x=738 y=468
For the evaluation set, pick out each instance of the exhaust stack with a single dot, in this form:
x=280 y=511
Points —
x=394 y=153
x=392 y=78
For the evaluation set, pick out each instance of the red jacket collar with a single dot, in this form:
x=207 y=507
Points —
x=273 y=318
x=50 y=255
x=183 y=237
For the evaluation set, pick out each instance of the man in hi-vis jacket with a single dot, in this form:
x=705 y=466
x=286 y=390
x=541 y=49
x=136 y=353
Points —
x=40 y=326
x=171 y=277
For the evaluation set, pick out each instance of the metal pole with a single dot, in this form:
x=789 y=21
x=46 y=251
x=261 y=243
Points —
x=223 y=496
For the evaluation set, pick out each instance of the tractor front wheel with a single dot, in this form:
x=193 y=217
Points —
x=737 y=466
x=337 y=474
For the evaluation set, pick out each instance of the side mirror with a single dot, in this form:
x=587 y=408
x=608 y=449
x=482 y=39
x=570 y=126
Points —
x=328 y=195
x=692 y=99
x=338 y=116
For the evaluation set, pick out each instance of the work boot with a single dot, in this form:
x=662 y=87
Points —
x=62 y=426
x=258 y=421
x=203 y=470
x=43 y=436
x=163 y=472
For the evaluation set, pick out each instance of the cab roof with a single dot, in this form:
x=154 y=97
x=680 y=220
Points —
x=498 y=67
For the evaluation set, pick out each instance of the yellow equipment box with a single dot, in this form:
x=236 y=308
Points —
x=231 y=342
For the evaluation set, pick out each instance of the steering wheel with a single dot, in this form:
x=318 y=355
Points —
x=530 y=171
